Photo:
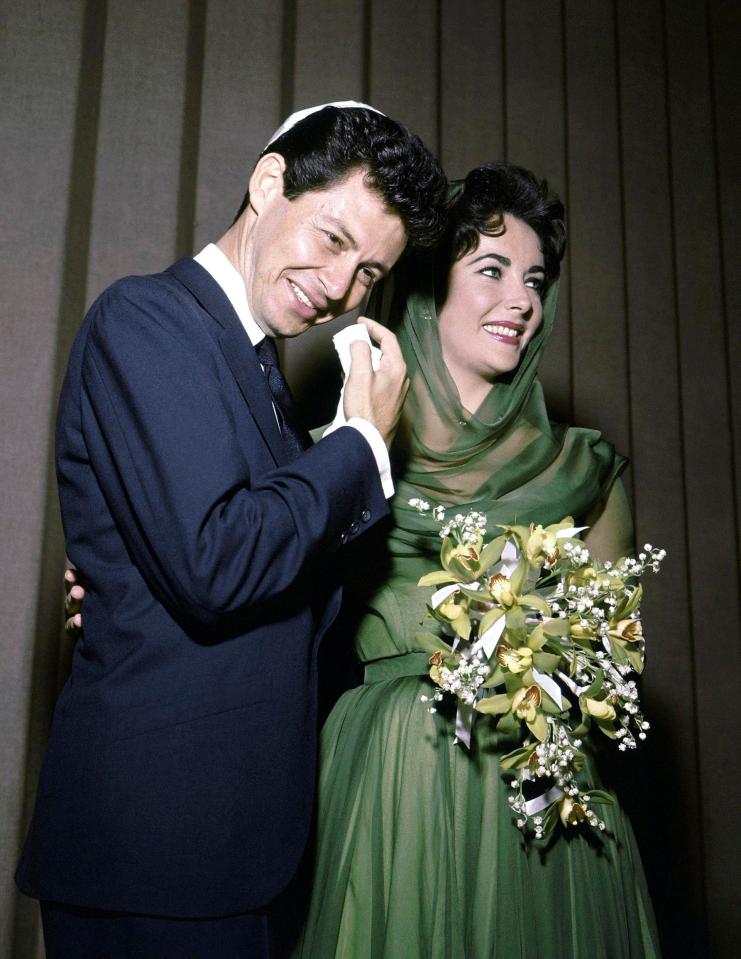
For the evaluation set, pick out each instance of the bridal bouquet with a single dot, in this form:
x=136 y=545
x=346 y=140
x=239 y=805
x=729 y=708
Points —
x=533 y=633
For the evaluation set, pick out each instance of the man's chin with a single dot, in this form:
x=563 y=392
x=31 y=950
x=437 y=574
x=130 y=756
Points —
x=294 y=326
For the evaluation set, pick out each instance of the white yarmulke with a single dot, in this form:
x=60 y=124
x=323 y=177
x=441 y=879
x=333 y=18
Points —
x=300 y=115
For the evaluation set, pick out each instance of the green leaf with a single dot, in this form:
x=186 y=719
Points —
x=521 y=533
x=581 y=730
x=492 y=552
x=489 y=618
x=462 y=627
x=548 y=705
x=495 y=678
x=475 y=594
x=516 y=628
x=630 y=603
x=539 y=727
x=533 y=601
x=606 y=726
x=437 y=578
x=556 y=627
x=618 y=651
x=508 y=723
x=518 y=758
x=600 y=797
x=537 y=638
x=501 y=703
x=599 y=679
x=518 y=576
x=546 y=662
x=513 y=682
x=636 y=658
x=550 y=819
x=431 y=643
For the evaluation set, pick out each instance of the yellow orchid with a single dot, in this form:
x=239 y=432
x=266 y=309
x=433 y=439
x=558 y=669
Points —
x=453 y=607
x=515 y=660
x=542 y=545
x=526 y=703
x=454 y=610
x=580 y=632
x=571 y=812
x=436 y=661
x=599 y=708
x=582 y=576
x=630 y=630
x=501 y=590
x=467 y=555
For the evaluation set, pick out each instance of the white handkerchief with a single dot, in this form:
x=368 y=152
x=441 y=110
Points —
x=342 y=341
x=352 y=334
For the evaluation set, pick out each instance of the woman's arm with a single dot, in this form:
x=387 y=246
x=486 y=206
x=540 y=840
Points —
x=610 y=533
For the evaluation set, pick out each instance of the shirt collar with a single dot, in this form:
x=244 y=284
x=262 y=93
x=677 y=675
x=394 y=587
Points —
x=213 y=260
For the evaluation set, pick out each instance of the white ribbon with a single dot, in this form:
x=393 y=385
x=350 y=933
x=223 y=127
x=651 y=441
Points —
x=569 y=532
x=507 y=562
x=300 y=115
x=464 y=724
x=550 y=686
x=440 y=595
x=574 y=687
x=542 y=802
x=490 y=637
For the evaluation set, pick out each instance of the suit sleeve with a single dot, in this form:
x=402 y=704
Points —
x=209 y=538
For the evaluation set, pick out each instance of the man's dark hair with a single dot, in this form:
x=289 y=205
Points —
x=490 y=191
x=333 y=143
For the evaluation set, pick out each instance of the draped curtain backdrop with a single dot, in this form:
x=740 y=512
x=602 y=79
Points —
x=129 y=130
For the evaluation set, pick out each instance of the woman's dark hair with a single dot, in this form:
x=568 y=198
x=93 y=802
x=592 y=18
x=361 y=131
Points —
x=490 y=191
x=333 y=143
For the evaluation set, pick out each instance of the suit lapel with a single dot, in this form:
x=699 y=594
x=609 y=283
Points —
x=238 y=351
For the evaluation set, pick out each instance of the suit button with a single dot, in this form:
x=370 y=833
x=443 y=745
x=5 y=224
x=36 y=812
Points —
x=344 y=537
x=354 y=527
x=365 y=515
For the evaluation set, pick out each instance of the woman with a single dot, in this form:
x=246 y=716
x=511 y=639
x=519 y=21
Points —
x=417 y=854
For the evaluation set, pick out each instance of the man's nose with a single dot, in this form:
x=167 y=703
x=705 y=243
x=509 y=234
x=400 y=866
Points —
x=338 y=280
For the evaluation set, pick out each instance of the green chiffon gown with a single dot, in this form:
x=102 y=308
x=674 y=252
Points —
x=417 y=855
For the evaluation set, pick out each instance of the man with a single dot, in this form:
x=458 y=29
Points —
x=176 y=794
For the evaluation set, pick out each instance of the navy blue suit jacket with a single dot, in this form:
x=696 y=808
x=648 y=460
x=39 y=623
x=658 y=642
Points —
x=179 y=776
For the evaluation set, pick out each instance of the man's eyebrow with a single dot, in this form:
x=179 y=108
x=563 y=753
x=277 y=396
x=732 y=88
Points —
x=505 y=261
x=341 y=228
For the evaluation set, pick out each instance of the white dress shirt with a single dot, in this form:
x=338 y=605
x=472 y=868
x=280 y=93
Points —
x=215 y=262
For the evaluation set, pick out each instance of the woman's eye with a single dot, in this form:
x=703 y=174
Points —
x=367 y=276
x=493 y=271
x=535 y=283
x=333 y=238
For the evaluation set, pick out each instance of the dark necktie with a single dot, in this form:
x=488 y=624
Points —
x=293 y=432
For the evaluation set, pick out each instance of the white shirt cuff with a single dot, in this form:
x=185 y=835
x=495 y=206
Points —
x=378 y=448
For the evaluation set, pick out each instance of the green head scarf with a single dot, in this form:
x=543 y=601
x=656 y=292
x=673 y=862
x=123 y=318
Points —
x=506 y=460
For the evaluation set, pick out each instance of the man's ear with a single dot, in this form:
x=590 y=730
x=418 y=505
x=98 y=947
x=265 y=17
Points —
x=266 y=182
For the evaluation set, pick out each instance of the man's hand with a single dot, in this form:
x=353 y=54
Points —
x=74 y=595
x=377 y=396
